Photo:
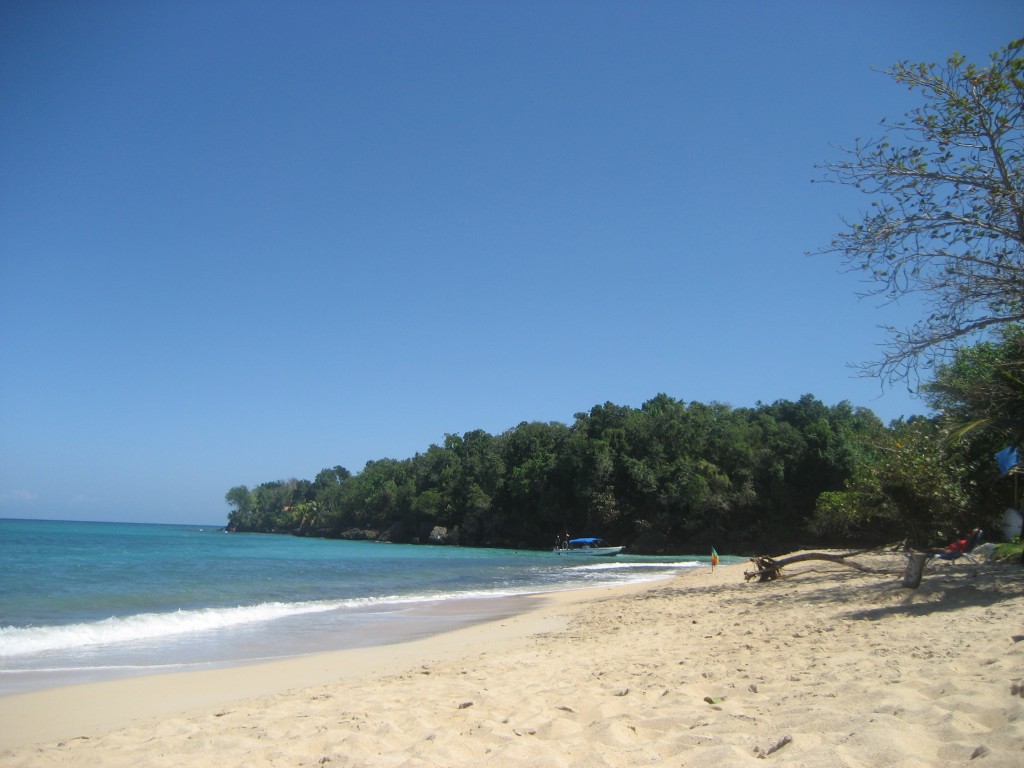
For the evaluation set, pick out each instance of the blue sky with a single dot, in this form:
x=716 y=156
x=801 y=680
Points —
x=244 y=241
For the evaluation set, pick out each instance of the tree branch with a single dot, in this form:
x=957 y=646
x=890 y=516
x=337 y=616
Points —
x=769 y=569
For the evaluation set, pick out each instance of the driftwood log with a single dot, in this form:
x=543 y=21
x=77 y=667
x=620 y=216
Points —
x=769 y=569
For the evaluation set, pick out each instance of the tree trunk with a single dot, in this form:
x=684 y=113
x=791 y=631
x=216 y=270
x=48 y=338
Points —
x=915 y=570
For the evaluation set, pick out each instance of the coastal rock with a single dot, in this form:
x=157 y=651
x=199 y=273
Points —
x=439 y=534
x=358 y=534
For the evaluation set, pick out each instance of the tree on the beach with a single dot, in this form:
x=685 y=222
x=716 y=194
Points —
x=947 y=216
x=980 y=395
x=914 y=485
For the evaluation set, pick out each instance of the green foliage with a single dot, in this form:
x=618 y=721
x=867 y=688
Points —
x=241 y=501
x=913 y=486
x=914 y=482
x=660 y=477
x=1012 y=551
x=269 y=507
x=982 y=389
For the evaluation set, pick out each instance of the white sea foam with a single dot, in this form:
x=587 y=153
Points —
x=633 y=566
x=24 y=641
x=20 y=641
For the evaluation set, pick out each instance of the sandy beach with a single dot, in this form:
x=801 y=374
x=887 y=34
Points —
x=827 y=667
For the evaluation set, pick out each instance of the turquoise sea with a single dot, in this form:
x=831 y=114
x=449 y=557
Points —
x=87 y=601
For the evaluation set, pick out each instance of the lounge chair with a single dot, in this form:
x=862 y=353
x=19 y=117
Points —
x=970 y=547
x=982 y=552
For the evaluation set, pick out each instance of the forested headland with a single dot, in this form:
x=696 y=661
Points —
x=668 y=477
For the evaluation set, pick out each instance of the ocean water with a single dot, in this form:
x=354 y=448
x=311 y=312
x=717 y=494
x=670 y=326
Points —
x=87 y=601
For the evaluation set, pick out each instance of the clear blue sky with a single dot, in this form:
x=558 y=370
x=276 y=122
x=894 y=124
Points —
x=244 y=241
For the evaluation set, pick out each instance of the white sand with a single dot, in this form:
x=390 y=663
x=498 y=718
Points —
x=838 y=667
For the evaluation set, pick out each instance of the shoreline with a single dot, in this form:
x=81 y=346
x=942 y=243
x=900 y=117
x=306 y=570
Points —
x=829 y=667
x=132 y=699
x=418 y=620
x=345 y=627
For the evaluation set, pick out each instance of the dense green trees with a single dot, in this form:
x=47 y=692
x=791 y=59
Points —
x=665 y=477
x=275 y=506
x=673 y=477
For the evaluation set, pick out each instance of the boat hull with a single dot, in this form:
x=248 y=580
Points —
x=590 y=552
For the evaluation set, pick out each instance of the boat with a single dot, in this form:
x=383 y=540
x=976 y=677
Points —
x=588 y=547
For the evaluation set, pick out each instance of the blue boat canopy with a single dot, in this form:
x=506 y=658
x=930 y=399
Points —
x=588 y=540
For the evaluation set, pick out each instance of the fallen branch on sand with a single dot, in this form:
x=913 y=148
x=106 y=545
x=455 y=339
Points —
x=769 y=569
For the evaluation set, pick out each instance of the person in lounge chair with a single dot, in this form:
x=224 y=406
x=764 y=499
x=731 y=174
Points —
x=970 y=544
x=965 y=544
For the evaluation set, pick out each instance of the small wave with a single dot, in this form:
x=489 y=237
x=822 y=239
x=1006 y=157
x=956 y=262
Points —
x=622 y=566
x=97 y=668
x=130 y=668
x=20 y=641
x=23 y=641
